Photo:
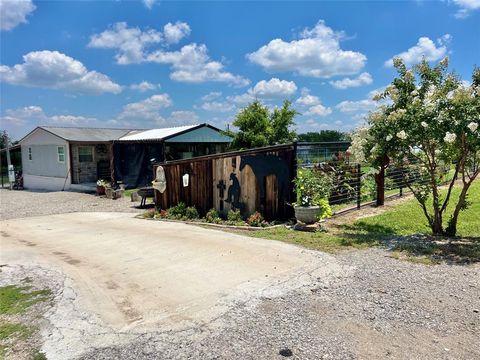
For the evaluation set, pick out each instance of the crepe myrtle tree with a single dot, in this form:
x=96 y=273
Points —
x=426 y=118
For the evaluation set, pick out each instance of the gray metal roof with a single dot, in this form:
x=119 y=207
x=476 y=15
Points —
x=87 y=134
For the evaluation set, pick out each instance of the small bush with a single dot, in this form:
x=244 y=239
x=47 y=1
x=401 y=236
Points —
x=191 y=213
x=149 y=214
x=163 y=214
x=234 y=216
x=177 y=212
x=325 y=209
x=213 y=216
x=256 y=219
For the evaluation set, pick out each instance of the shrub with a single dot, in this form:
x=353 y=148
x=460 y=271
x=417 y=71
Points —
x=149 y=214
x=163 y=214
x=325 y=209
x=178 y=211
x=234 y=216
x=256 y=219
x=213 y=216
x=191 y=213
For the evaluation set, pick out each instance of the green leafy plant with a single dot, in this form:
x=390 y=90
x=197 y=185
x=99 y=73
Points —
x=311 y=186
x=178 y=211
x=213 y=217
x=325 y=209
x=234 y=216
x=191 y=213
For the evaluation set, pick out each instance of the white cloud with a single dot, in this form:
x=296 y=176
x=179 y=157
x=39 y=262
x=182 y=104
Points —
x=317 y=54
x=425 y=47
x=29 y=116
x=14 y=12
x=173 y=33
x=274 y=88
x=319 y=110
x=363 y=79
x=312 y=124
x=149 y=3
x=144 y=86
x=241 y=99
x=182 y=117
x=192 y=64
x=466 y=7
x=306 y=99
x=147 y=110
x=354 y=106
x=130 y=42
x=211 y=96
x=217 y=106
x=52 y=69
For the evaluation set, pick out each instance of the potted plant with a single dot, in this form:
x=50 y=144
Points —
x=101 y=185
x=312 y=188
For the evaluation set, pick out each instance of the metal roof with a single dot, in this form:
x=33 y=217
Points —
x=87 y=134
x=159 y=134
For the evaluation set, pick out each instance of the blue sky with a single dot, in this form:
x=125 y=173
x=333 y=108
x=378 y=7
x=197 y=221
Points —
x=153 y=64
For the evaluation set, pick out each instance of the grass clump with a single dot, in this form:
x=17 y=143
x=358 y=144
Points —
x=16 y=299
x=19 y=330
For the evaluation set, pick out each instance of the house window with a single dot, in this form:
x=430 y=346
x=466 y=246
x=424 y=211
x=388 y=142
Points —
x=85 y=154
x=30 y=154
x=61 y=154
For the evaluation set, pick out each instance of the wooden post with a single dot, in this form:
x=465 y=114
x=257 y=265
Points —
x=358 y=185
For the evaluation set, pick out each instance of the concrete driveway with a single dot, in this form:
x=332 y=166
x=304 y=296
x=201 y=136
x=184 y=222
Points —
x=137 y=273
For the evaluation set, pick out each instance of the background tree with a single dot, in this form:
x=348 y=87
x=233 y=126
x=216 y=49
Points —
x=258 y=127
x=428 y=119
x=282 y=122
x=323 y=136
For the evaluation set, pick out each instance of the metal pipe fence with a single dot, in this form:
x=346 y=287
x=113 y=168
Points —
x=354 y=184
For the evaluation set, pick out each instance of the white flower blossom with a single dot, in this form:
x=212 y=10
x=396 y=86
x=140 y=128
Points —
x=450 y=137
x=389 y=137
x=424 y=124
x=473 y=126
x=402 y=135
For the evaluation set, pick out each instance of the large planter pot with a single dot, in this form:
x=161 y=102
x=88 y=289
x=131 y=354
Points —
x=307 y=214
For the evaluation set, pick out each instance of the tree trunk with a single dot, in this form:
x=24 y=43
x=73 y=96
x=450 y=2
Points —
x=380 y=181
x=451 y=229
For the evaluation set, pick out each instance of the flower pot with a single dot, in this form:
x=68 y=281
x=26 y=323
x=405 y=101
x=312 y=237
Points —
x=100 y=190
x=307 y=214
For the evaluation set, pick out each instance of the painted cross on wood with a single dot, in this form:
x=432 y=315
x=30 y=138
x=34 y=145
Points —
x=221 y=191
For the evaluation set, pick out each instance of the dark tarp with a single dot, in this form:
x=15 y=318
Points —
x=132 y=163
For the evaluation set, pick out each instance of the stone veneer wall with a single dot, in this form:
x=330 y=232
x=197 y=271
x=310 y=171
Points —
x=87 y=171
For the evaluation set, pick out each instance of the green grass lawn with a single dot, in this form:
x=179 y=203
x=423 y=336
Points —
x=404 y=219
x=408 y=218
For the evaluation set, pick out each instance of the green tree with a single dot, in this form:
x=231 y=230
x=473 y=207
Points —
x=323 y=136
x=427 y=119
x=258 y=127
x=282 y=122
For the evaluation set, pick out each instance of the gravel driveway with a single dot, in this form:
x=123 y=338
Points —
x=375 y=307
x=20 y=204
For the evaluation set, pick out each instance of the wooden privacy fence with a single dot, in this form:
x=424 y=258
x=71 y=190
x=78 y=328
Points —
x=250 y=180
